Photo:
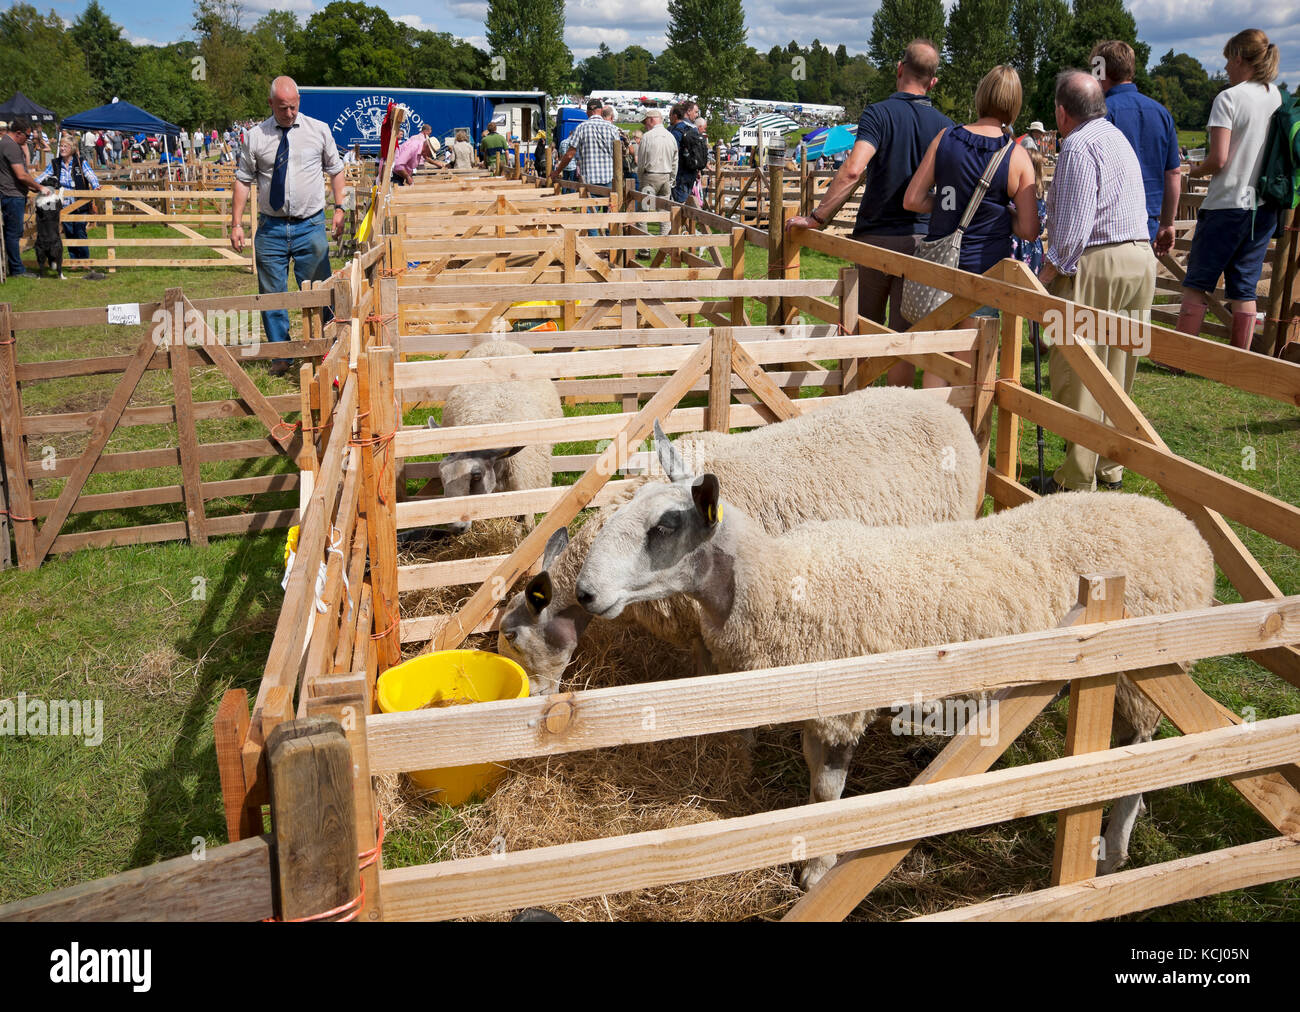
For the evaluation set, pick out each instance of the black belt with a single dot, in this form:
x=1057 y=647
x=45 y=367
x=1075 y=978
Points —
x=289 y=217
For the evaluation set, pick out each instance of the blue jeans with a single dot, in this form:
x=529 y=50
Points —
x=13 y=209
x=76 y=230
x=278 y=240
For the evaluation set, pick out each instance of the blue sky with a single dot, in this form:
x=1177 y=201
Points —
x=1199 y=27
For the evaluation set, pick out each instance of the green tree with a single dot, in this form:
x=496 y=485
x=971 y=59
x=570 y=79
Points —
x=1071 y=42
x=596 y=72
x=979 y=38
x=529 y=37
x=32 y=44
x=1033 y=23
x=440 y=60
x=895 y=24
x=1181 y=84
x=224 y=59
x=858 y=79
x=349 y=43
x=163 y=83
x=707 y=42
x=109 y=57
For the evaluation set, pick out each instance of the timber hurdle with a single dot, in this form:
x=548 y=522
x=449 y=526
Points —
x=328 y=660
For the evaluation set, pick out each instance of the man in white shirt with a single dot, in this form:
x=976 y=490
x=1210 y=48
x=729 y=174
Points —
x=286 y=153
x=656 y=163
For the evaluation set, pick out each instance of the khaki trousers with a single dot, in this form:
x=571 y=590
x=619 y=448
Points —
x=1116 y=276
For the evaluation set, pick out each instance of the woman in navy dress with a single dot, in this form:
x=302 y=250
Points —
x=949 y=173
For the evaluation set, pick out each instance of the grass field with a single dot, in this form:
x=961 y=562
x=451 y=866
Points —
x=160 y=632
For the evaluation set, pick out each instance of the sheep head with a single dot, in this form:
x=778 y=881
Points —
x=539 y=633
x=660 y=544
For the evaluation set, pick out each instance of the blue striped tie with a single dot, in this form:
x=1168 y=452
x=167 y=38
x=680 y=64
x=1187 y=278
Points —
x=281 y=170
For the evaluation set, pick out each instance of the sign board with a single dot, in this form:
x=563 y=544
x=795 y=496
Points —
x=747 y=137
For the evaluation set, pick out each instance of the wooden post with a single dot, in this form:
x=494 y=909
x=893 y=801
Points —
x=178 y=357
x=1267 y=345
x=984 y=373
x=717 y=177
x=378 y=424
x=719 y=414
x=616 y=257
x=775 y=230
x=804 y=204
x=230 y=729
x=569 y=265
x=849 y=324
x=1007 y=455
x=313 y=816
x=15 y=447
x=1092 y=701
x=738 y=274
x=350 y=709
x=110 y=250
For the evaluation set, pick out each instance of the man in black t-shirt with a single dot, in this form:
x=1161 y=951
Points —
x=15 y=183
x=892 y=138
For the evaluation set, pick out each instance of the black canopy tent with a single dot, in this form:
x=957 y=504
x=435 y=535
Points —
x=21 y=105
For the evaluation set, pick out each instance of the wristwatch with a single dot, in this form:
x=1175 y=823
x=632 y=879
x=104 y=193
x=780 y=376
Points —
x=813 y=215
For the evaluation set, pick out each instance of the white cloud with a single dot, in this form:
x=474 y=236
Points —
x=303 y=8
x=416 y=22
x=139 y=40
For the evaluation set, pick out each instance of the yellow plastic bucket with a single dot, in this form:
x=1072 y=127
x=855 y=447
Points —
x=475 y=675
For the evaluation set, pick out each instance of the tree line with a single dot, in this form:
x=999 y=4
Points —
x=222 y=74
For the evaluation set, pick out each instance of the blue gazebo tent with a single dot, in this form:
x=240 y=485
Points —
x=21 y=105
x=129 y=119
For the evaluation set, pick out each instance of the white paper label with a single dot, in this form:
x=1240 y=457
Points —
x=126 y=313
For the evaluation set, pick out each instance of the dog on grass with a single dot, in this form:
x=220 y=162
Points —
x=49 y=233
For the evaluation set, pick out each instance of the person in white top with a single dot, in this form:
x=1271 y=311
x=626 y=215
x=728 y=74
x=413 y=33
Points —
x=1233 y=228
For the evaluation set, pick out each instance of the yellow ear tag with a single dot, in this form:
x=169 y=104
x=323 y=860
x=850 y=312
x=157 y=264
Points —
x=537 y=595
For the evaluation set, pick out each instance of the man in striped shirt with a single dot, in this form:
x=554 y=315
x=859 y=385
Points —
x=1098 y=255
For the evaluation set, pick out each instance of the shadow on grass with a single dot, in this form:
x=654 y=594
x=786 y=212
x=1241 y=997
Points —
x=233 y=648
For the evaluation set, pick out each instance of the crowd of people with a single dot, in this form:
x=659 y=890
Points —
x=1093 y=237
x=660 y=160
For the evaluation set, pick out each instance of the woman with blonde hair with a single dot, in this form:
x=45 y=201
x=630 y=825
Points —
x=1233 y=227
x=952 y=168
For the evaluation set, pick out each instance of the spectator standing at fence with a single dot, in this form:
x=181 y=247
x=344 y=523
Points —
x=592 y=146
x=15 y=183
x=893 y=136
x=462 y=154
x=1233 y=227
x=953 y=166
x=1150 y=128
x=285 y=154
x=494 y=149
x=70 y=171
x=683 y=116
x=1098 y=255
x=656 y=158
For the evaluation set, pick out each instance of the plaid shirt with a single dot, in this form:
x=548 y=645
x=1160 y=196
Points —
x=1097 y=195
x=594 y=142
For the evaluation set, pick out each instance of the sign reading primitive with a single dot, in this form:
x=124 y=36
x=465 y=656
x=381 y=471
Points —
x=772 y=137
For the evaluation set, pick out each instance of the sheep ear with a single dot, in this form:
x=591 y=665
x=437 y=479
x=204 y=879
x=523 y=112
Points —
x=705 y=493
x=431 y=422
x=538 y=593
x=501 y=454
x=555 y=547
x=669 y=457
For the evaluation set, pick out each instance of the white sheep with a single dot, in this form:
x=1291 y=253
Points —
x=882 y=456
x=841 y=589
x=478 y=472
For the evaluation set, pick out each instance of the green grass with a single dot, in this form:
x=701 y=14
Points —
x=1191 y=139
x=160 y=632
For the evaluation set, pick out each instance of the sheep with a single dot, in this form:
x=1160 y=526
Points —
x=836 y=589
x=880 y=456
x=478 y=472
